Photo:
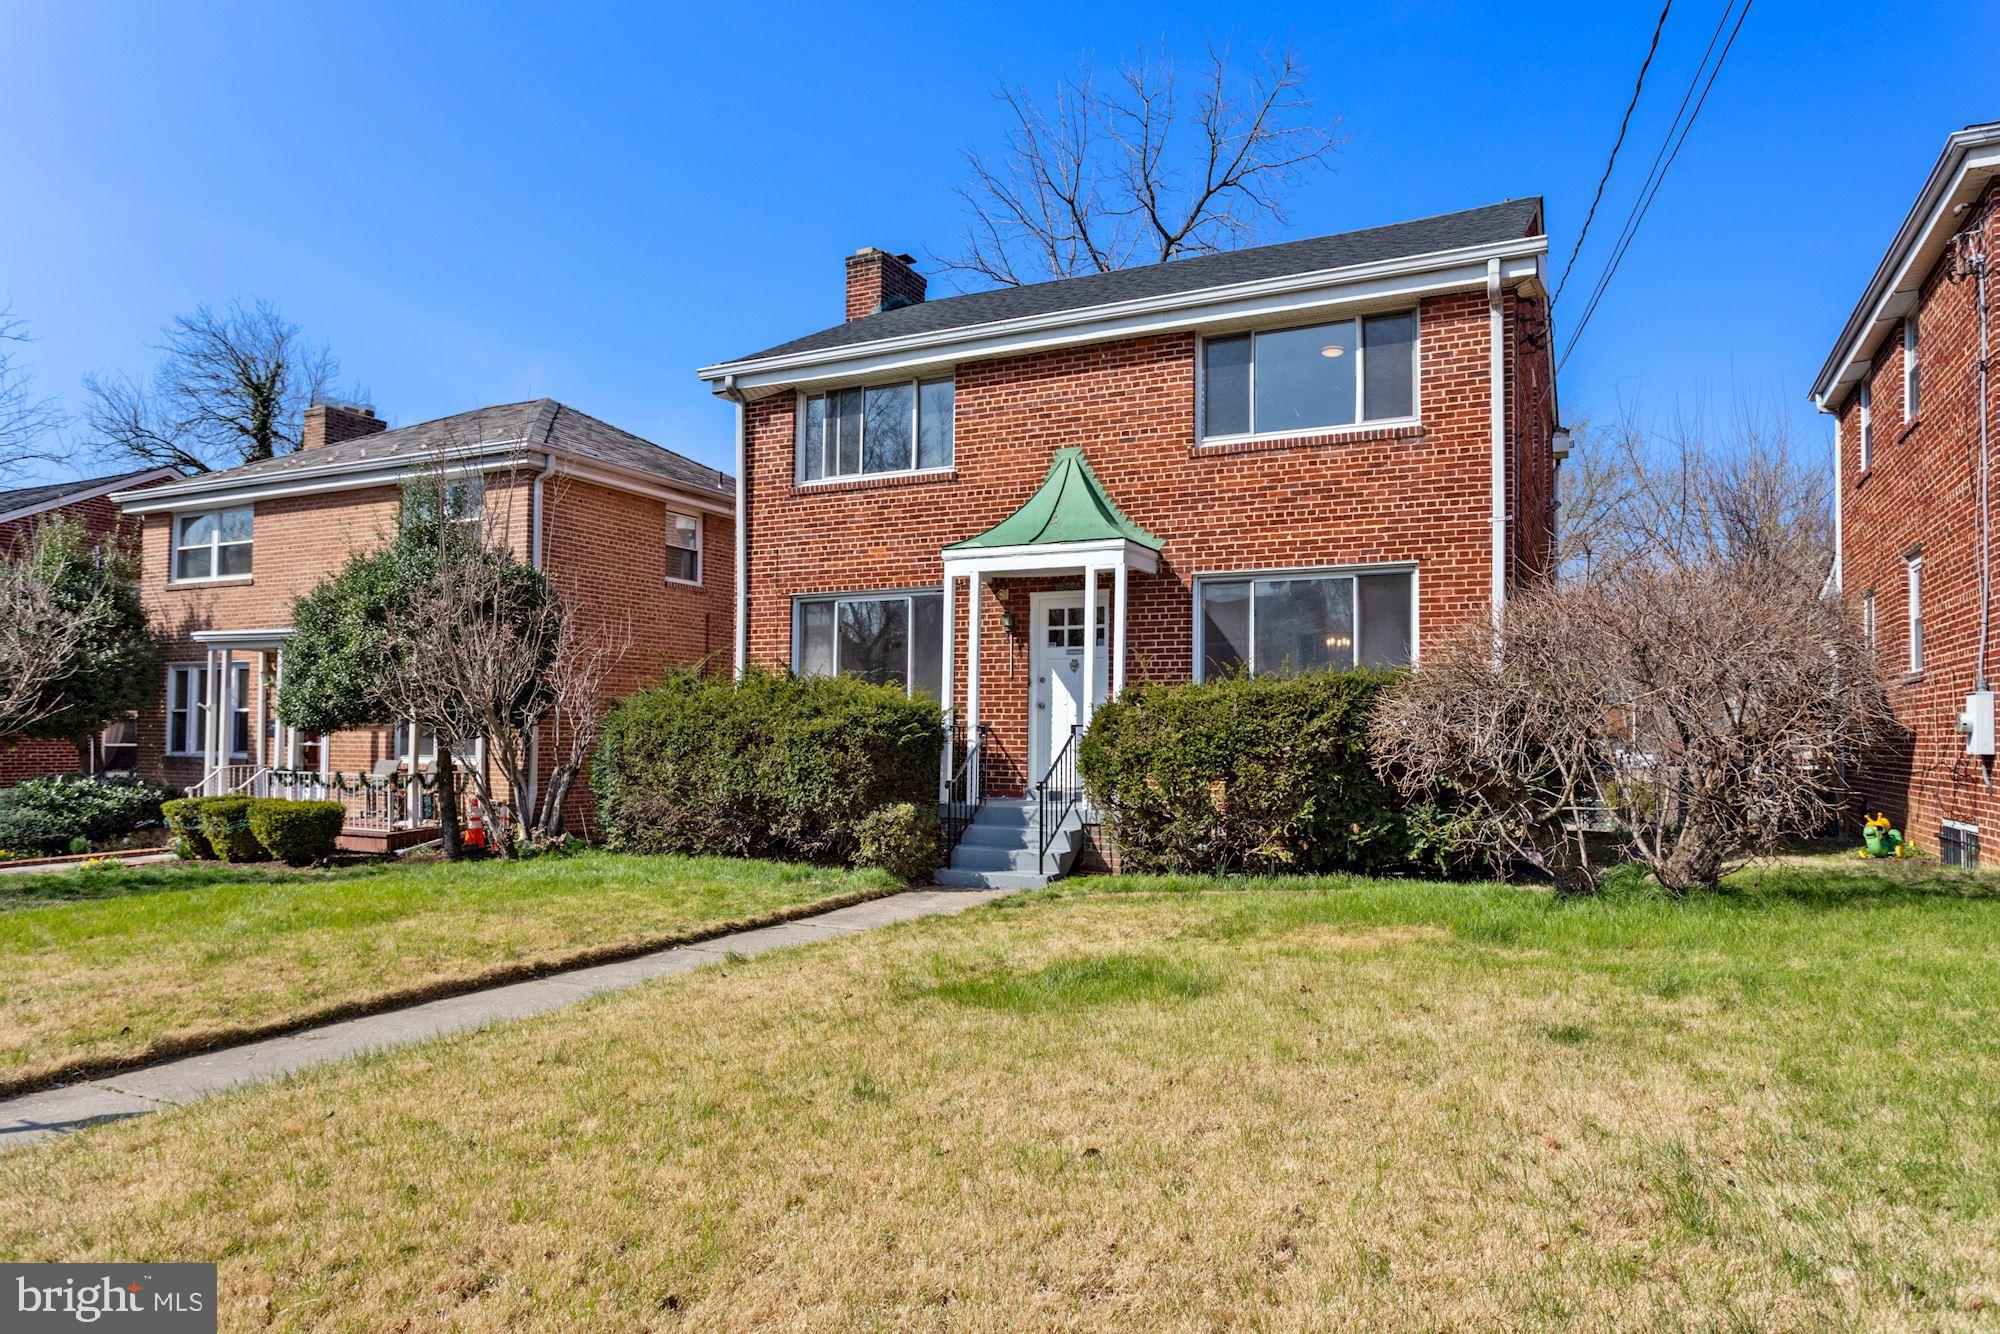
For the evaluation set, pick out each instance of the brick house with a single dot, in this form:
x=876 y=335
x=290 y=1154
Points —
x=1909 y=384
x=633 y=535
x=1317 y=453
x=86 y=502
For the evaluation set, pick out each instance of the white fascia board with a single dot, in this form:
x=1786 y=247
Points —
x=619 y=479
x=243 y=638
x=200 y=493
x=1358 y=285
x=1051 y=556
x=111 y=489
x=1970 y=160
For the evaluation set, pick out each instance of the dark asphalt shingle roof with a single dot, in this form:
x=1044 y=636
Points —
x=48 y=493
x=537 y=424
x=1508 y=221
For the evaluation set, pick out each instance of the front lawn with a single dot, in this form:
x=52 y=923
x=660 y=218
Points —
x=119 y=962
x=1147 y=1103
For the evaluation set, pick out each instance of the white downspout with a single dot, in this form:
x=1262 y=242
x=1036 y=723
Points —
x=729 y=391
x=535 y=559
x=1497 y=380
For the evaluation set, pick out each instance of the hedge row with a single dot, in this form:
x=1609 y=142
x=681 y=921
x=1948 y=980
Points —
x=75 y=812
x=772 y=766
x=248 y=829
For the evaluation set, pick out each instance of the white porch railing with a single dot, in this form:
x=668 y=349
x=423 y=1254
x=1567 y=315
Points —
x=374 y=804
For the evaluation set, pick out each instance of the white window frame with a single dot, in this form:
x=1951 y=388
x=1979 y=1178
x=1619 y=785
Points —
x=1867 y=441
x=180 y=675
x=1868 y=620
x=916 y=384
x=1912 y=360
x=699 y=539
x=458 y=486
x=1413 y=418
x=245 y=704
x=1913 y=582
x=215 y=545
x=879 y=595
x=1201 y=581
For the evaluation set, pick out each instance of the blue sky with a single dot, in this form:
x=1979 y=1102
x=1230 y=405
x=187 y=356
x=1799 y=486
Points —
x=488 y=202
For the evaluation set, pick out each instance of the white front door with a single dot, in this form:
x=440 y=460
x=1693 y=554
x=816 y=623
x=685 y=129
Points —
x=1055 y=694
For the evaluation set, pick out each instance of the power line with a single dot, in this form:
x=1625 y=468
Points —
x=1616 y=144
x=1662 y=161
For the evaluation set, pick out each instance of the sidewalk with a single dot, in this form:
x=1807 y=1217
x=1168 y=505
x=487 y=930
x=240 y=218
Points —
x=36 y=1116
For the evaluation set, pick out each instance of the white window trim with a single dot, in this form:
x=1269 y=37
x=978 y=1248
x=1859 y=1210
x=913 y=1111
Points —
x=174 y=547
x=246 y=706
x=1866 y=443
x=1236 y=576
x=1358 y=427
x=876 y=595
x=1868 y=619
x=699 y=548
x=916 y=384
x=1912 y=363
x=1913 y=587
x=177 y=692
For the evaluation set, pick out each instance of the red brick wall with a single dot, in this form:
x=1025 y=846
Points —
x=1417 y=494
x=1920 y=494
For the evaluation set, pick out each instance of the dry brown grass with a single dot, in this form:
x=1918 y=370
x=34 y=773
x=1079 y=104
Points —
x=1380 y=1105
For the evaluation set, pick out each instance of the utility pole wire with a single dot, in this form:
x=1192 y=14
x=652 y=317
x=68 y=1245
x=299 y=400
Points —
x=1616 y=144
x=1658 y=176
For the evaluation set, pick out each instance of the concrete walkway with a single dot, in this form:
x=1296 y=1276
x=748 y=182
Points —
x=36 y=1116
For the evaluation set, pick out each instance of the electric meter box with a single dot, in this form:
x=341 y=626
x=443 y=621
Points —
x=1978 y=722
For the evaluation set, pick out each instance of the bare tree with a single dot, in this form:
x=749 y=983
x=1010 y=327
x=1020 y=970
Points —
x=1140 y=166
x=232 y=387
x=42 y=631
x=29 y=423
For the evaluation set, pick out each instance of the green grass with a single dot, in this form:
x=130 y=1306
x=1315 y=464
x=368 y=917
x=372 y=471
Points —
x=111 y=963
x=1148 y=1103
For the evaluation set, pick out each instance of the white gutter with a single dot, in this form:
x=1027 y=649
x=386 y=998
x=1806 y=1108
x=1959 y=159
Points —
x=1149 y=314
x=112 y=489
x=1496 y=371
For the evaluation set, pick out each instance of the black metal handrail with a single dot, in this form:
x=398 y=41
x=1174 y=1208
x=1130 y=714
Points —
x=965 y=785
x=1057 y=795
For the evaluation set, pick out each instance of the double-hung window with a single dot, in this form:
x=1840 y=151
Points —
x=1910 y=368
x=883 y=428
x=1305 y=621
x=213 y=544
x=683 y=548
x=187 y=709
x=1867 y=428
x=1289 y=381
x=1914 y=577
x=885 y=638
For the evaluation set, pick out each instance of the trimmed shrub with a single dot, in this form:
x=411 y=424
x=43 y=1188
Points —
x=298 y=833
x=772 y=766
x=901 y=839
x=225 y=823
x=183 y=816
x=1264 y=774
x=50 y=815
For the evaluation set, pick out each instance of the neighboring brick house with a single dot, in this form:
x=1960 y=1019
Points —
x=86 y=502
x=1308 y=454
x=632 y=534
x=1910 y=385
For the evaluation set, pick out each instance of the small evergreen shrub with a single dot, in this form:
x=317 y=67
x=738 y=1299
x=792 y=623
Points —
x=183 y=816
x=51 y=815
x=1252 y=775
x=771 y=766
x=225 y=823
x=298 y=833
x=901 y=839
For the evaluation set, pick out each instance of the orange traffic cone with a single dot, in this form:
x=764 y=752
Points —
x=475 y=825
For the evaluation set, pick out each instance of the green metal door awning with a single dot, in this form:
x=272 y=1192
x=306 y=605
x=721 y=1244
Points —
x=1070 y=507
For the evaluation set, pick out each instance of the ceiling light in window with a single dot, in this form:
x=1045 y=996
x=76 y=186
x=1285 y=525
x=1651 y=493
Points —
x=1339 y=641
x=1333 y=350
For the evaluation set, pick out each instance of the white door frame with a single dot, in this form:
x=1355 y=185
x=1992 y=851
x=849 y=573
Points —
x=1040 y=736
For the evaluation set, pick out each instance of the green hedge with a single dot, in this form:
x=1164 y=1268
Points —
x=49 y=815
x=773 y=766
x=297 y=832
x=1266 y=774
x=225 y=823
x=183 y=816
x=901 y=839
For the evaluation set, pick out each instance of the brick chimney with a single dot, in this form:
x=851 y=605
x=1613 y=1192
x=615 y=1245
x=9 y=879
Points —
x=878 y=280
x=331 y=423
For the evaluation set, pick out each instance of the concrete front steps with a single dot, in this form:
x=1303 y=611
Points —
x=1001 y=848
